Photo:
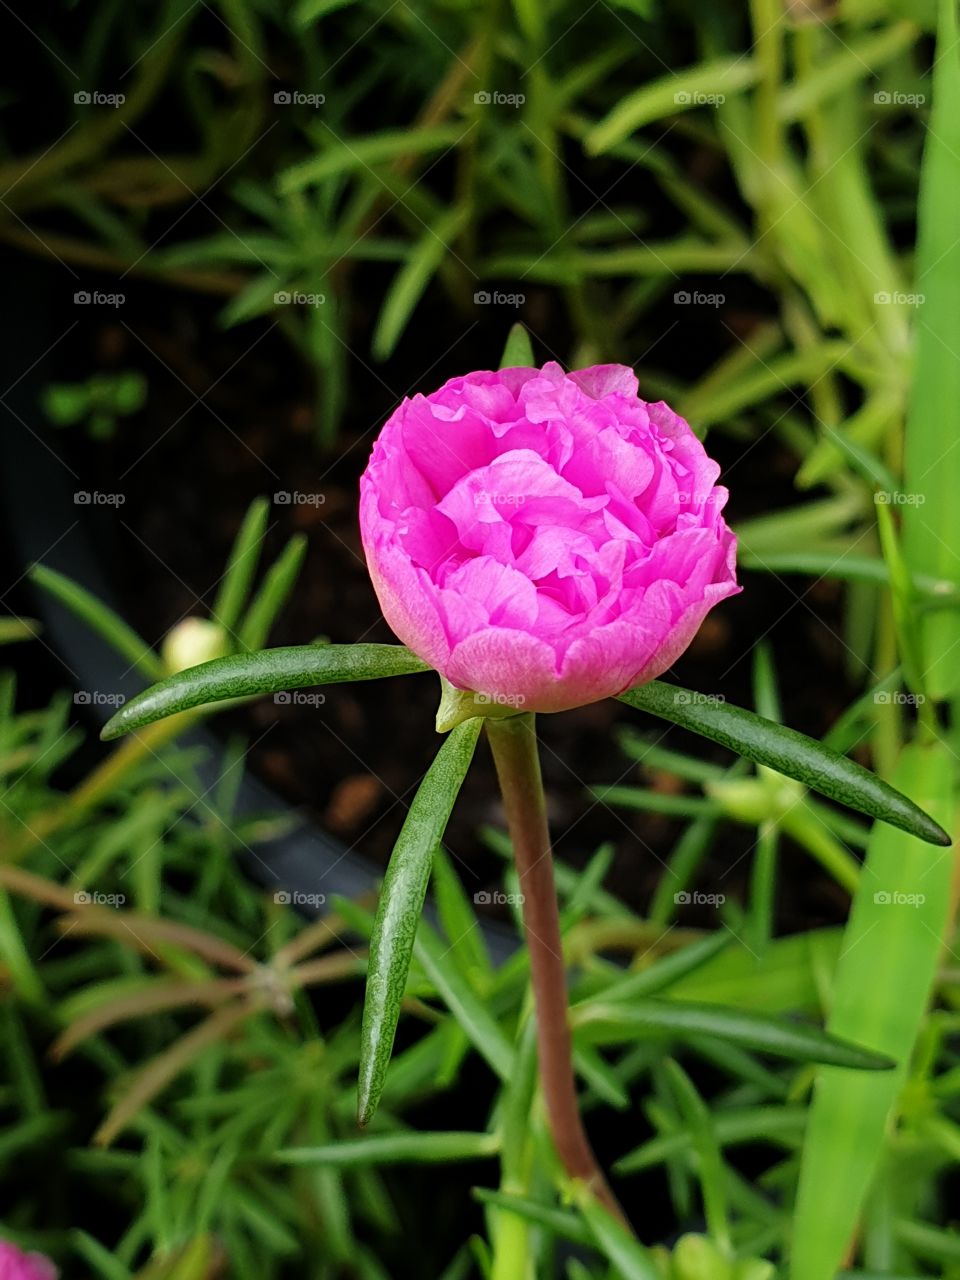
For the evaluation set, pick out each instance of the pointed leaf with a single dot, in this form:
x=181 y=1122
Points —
x=245 y=675
x=796 y=1041
x=398 y=911
x=518 y=352
x=884 y=976
x=788 y=752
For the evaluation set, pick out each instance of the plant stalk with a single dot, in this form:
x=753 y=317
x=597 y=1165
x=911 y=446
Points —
x=514 y=746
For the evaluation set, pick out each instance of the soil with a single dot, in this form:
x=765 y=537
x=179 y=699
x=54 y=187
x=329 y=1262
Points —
x=189 y=468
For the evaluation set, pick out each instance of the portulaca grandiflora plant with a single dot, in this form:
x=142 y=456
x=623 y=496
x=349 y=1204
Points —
x=540 y=540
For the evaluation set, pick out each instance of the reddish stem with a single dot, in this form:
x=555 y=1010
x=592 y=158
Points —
x=513 y=742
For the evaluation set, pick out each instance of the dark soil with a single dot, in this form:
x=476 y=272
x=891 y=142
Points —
x=188 y=470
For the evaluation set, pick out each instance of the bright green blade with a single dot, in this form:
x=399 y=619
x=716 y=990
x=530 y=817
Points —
x=883 y=979
x=931 y=513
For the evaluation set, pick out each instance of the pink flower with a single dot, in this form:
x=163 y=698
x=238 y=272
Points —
x=544 y=539
x=16 y=1265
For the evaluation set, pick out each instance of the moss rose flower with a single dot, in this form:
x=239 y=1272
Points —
x=544 y=539
x=17 y=1265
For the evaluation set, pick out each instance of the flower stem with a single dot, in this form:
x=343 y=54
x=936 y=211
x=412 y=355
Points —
x=514 y=746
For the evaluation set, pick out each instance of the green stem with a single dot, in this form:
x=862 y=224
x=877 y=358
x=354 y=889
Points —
x=514 y=746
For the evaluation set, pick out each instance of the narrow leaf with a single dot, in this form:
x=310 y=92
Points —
x=884 y=976
x=788 y=752
x=99 y=618
x=398 y=911
x=796 y=1041
x=395 y=1148
x=241 y=567
x=246 y=675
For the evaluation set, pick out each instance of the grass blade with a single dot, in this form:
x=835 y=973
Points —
x=241 y=567
x=883 y=980
x=931 y=521
x=99 y=618
x=398 y=911
x=796 y=1041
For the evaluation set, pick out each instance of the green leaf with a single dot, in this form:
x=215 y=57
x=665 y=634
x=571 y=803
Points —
x=99 y=618
x=398 y=911
x=679 y=91
x=241 y=567
x=788 y=752
x=884 y=976
x=395 y=1148
x=931 y=519
x=246 y=675
x=518 y=352
x=797 y=1041
x=273 y=593
x=411 y=280
x=623 y=1251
